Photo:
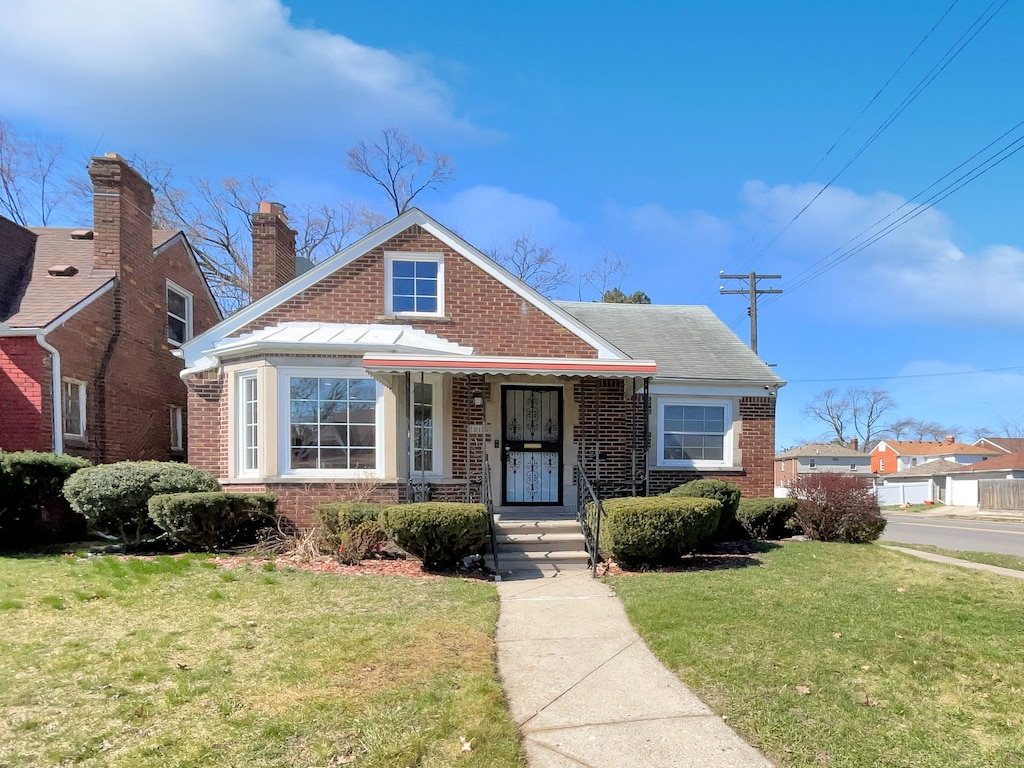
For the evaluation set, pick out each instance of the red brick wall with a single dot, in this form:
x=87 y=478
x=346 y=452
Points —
x=22 y=379
x=208 y=423
x=480 y=311
x=273 y=250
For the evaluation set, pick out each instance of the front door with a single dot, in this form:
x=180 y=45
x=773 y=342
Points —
x=531 y=420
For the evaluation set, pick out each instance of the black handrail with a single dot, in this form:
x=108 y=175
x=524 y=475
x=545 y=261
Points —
x=586 y=494
x=485 y=499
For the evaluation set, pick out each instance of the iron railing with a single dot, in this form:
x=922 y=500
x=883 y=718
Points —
x=485 y=499
x=586 y=495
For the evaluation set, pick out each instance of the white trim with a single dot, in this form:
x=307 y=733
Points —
x=658 y=413
x=82 y=411
x=242 y=447
x=193 y=350
x=180 y=236
x=173 y=287
x=438 y=419
x=284 y=421
x=390 y=257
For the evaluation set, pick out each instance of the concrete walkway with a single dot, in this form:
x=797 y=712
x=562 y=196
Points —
x=1013 y=574
x=586 y=691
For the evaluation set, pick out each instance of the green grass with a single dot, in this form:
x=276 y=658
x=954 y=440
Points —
x=988 y=558
x=847 y=655
x=169 y=662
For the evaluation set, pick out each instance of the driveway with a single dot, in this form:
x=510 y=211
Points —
x=1005 y=538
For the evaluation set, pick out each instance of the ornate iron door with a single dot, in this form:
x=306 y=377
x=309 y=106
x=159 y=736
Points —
x=532 y=445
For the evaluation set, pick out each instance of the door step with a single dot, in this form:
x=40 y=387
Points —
x=548 y=544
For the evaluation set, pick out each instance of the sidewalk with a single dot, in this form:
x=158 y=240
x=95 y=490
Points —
x=586 y=691
x=1013 y=574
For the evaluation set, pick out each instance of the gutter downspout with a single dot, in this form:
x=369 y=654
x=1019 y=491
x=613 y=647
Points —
x=57 y=391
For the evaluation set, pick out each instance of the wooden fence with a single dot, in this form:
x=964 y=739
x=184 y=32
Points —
x=1001 y=494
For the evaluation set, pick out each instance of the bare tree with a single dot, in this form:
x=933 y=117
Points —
x=400 y=167
x=918 y=429
x=604 y=274
x=216 y=218
x=867 y=408
x=534 y=264
x=33 y=182
x=853 y=413
x=834 y=409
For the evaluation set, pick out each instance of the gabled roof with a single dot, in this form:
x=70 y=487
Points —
x=1005 y=444
x=195 y=349
x=928 y=469
x=687 y=342
x=934 y=448
x=45 y=297
x=1004 y=463
x=812 y=450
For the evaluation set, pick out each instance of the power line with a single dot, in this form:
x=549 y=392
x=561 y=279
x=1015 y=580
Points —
x=908 y=375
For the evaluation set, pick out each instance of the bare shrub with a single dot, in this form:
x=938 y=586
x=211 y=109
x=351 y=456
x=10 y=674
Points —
x=837 y=507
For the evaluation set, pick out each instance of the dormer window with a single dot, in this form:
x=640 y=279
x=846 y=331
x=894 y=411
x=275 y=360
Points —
x=415 y=284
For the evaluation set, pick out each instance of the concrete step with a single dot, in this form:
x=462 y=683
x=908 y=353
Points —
x=541 y=561
x=540 y=541
x=516 y=526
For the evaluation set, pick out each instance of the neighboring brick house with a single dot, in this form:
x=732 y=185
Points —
x=820 y=457
x=88 y=319
x=411 y=364
x=891 y=456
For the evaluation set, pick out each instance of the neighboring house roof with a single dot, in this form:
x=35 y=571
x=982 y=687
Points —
x=1006 y=462
x=811 y=450
x=45 y=296
x=928 y=469
x=933 y=448
x=195 y=351
x=1005 y=444
x=686 y=342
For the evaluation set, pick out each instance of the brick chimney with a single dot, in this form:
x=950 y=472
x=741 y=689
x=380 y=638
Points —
x=950 y=439
x=122 y=214
x=273 y=250
x=855 y=443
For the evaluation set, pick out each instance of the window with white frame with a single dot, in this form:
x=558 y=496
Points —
x=177 y=428
x=423 y=420
x=248 y=424
x=694 y=433
x=415 y=284
x=332 y=423
x=179 y=314
x=73 y=407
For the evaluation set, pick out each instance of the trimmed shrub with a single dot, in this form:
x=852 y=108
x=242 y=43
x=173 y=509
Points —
x=360 y=542
x=832 y=506
x=655 y=529
x=440 y=533
x=767 y=518
x=727 y=493
x=114 y=497
x=212 y=520
x=336 y=521
x=32 y=507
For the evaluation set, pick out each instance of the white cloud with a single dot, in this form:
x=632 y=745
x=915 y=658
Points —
x=490 y=217
x=232 y=72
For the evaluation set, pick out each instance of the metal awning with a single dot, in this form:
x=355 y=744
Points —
x=531 y=366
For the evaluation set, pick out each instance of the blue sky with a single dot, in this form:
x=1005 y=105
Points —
x=680 y=136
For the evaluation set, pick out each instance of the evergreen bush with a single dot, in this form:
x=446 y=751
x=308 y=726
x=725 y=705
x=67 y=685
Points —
x=32 y=508
x=337 y=520
x=655 y=530
x=212 y=520
x=727 y=493
x=440 y=533
x=767 y=518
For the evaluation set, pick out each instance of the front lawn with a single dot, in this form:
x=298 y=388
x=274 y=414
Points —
x=847 y=655
x=176 y=662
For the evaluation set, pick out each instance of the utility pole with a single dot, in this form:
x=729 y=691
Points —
x=753 y=291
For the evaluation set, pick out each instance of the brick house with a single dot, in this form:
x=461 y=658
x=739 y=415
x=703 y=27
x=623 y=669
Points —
x=411 y=365
x=88 y=322
x=813 y=458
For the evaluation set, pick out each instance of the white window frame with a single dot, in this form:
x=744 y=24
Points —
x=177 y=428
x=245 y=449
x=437 y=412
x=284 y=423
x=81 y=401
x=187 y=296
x=389 y=278
x=727 y=437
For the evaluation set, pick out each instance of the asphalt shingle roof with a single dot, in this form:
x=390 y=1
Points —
x=687 y=342
x=821 y=449
x=928 y=469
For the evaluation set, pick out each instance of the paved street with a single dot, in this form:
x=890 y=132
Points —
x=971 y=535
